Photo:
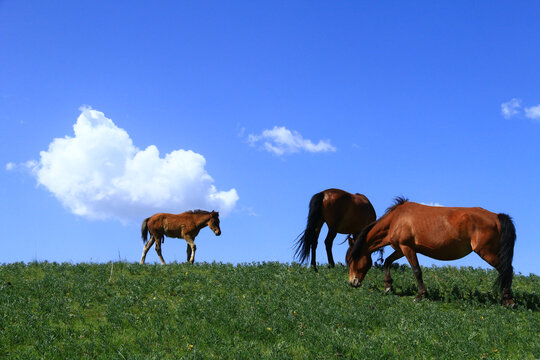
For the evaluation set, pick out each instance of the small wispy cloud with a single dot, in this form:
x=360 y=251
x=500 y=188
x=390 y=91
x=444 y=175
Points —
x=10 y=166
x=533 y=112
x=514 y=108
x=511 y=108
x=281 y=140
x=431 y=204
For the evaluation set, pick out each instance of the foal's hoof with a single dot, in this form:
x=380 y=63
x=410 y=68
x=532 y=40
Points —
x=388 y=290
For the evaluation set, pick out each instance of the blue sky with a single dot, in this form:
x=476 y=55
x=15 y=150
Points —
x=253 y=107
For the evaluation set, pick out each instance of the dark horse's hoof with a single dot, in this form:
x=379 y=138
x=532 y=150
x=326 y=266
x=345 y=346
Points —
x=509 y=303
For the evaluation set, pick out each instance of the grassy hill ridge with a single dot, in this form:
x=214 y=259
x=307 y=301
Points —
x=270 y=310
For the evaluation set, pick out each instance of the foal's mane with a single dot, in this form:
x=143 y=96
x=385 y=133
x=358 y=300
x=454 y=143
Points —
x=198 y=212
x=362 y=237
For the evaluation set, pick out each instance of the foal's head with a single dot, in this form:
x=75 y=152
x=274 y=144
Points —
x=213 y=223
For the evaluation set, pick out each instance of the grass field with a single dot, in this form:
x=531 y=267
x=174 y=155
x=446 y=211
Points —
x=271 y=311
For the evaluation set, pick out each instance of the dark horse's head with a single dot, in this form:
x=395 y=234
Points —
x=213 y=223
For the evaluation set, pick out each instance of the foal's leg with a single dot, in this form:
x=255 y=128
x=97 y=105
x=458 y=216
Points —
x=192 y=247
x=147 y=247
x=188 y=251
x=387 y=263
x=328 y=242
x=158 y=250
x=410 y=254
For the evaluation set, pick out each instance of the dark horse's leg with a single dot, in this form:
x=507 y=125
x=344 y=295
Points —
x=387 y=263
x=314 y=244
x=328 y=242
x=410 y=254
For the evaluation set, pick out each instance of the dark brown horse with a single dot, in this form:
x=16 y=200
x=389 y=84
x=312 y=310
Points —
x=343 y=212
x=183 y=226
x=443 y=233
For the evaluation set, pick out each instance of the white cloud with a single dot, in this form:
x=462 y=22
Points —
x=10 y=166
x=533 y=112
x=100 y=174
x=511 y=108
x=281 y=140
x=431 y=204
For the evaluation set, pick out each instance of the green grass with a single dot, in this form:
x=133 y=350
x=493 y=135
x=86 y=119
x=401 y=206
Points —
x=271 y=310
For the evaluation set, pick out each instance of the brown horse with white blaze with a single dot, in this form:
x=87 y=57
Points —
x=183 y=226
x=343 y=212
x=443 y=233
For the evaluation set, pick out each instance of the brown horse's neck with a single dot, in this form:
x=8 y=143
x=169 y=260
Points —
x=377 y=237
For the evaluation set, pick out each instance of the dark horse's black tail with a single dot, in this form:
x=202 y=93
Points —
x=144 y=230
x=309 y=236
x=506 y=253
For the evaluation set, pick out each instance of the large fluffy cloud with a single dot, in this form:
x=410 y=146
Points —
x=281 y=140
x=100 y=174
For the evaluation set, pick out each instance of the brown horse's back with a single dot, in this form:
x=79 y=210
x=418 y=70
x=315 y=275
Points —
x=443 y=233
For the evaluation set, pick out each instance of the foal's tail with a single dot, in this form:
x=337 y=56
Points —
x=144 y=230
x=506 y=252
x=309 y=236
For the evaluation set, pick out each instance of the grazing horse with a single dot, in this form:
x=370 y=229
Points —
x=343 y=212
x=443 y=233
x=183 y=226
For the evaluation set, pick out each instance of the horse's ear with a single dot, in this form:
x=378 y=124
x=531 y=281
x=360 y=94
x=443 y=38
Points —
x=351 y=240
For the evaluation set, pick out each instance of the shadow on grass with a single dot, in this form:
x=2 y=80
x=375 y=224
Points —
x=458 y=292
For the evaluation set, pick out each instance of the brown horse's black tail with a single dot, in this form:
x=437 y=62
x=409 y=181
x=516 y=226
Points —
x=309 y=236
x=506 y=253
x=144 y=230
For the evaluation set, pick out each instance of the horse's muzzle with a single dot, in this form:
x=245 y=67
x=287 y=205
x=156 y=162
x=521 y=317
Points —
x=217 y=232
x=355 y=282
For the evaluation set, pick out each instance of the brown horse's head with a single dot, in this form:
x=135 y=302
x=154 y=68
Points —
x=213 y=223
x=358 y=268
x=358 y=258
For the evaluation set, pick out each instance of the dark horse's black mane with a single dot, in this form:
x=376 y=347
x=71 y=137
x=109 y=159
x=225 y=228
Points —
x=362 y=237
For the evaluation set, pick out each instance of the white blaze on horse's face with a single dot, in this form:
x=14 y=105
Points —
x=358 y=270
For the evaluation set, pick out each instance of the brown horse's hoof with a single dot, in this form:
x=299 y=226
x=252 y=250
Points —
x=419 y=297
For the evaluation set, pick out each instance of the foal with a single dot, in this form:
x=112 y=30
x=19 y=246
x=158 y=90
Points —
x=183 y=226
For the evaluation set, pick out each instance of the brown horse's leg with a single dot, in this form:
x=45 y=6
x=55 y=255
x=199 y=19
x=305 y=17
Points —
x=328 y=242
x=387 y=263
x=147 y=247
x=410 y=254
x=158 y=250
x=492 y=259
